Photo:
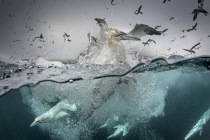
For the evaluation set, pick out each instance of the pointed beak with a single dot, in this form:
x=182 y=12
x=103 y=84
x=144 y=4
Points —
x=96 y=19
x=34 y=123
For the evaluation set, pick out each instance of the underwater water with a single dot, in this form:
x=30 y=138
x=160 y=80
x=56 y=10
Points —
x=160 y=101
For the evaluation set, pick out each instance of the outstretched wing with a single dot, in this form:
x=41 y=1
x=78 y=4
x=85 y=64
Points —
x=141 y=30
x=186 y=50
x=193 y=47
x=125 y=36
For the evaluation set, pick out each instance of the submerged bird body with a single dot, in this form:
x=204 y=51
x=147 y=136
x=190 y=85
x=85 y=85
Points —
x=199 y=125
x=58 y=111
x=105 y=124
x=120 y=129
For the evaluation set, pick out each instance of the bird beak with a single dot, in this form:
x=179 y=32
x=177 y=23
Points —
x=34 y=123
x=96 y=19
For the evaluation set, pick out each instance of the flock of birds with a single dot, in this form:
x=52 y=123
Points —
x=195 y=12
x=109 y=34
x=139 y=28
x=124 y=36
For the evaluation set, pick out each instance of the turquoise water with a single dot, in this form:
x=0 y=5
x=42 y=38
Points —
x=160 y=101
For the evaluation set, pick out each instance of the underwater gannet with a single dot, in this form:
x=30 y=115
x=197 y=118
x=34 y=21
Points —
x=115 y=118
x=120 y=129
x=58 y=111
x=199 y=125
x=105 y=124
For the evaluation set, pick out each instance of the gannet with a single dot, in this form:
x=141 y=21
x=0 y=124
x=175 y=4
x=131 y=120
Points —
x=193 y=27
x=200 y=9
x=40 y=61
x=138 y=11
x=193 y=47
x=109 y=34
x=172 y=18
x=58 y=111
x=120 y=129
x=165 y=1
x=199 y=125
x=141 y=30
x=158 y=26
x=105 y=124
x=115 y=118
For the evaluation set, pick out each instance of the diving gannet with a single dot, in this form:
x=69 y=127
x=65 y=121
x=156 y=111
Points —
x=58 y=111
x=105 y=124
x=120 y=129
x=199 y=125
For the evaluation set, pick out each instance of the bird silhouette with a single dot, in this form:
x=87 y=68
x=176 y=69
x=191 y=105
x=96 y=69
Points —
x=156 y=27
x=141 y=30
x=200 y=9
x=138 y=11
x=183 y=31
x=112 y=2
x=165 y=1
x=172 y=18
x=193 y=47
x=193 y=27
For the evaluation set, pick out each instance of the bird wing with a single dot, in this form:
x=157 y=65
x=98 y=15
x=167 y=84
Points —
x=195 y=14
x=125 y=36
x=195 y=25
x=141 y=30
x=138 y=30
x=193 y=47
x=186 y=50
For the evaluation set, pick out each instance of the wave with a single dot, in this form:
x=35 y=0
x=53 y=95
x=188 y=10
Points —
x=14 y=76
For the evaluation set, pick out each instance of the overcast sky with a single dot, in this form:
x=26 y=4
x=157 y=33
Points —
x=23 y=20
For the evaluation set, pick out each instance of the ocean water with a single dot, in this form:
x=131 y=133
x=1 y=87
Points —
x=161 y=101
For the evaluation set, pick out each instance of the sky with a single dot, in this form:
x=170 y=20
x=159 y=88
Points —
x=23 y=20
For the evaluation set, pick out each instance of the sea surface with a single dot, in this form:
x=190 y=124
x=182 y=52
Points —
x=161 y=100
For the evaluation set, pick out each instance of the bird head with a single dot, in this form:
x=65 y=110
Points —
x=41 y=119
x=101 y=22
